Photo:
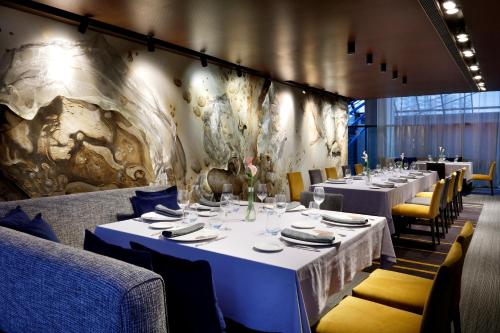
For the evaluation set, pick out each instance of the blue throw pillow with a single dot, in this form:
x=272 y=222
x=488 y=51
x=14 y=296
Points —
x=167 y=191
x=18 y=220
x=147 y=204
x=190 y=291
x=139 y=258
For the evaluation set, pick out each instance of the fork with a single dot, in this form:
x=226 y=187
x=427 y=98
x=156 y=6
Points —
x=210 y=241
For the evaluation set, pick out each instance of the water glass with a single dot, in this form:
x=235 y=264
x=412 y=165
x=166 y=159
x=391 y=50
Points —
x=313 y=212
x=348 y=173
x=183 y=200
x=235 y=206
x=227 y=189
x=281 y=204
x=192 y=215
x=215 y=223
x=319 y=194
x=272 y=222
x=225 y=205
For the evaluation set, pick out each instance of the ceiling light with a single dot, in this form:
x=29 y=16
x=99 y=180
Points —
x=351 y=47
x=482 y=88
x=481 y=84
x=203 y=60
x=84 y=24
x=451 y=11
x=150 y=43
x=462 y=38
x=239 y=72
x=383 y=67
x=468 y=53
x=478 y=77
x=474 y=68
x=369 y=58
x=304 y=92
x=405 y=80
x=449 y=5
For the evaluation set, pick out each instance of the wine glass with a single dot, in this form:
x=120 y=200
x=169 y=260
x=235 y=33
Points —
x=183 y=200
x=319 y=195
x=313 y=211
x=348 y=173
x=225 y=205
x=227 y=189
x=281 y=204
x=261 y=191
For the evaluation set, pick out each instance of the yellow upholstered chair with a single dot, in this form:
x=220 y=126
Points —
x=409 y=292
x=331 y=173
x=358 y=168
x=429 y=213
x=357 y=315
x=488 y=177
x=460 y=187
x=296 y=185
x=448 y=214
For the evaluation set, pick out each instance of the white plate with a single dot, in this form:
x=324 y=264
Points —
x=207 y=214
x=268 y=246
x=304 y=225
x=200 y=235
x=162 y=225
x=242 y=202
x=300 y=242
x=346 y=225
x=375 y=187
x=155 y=217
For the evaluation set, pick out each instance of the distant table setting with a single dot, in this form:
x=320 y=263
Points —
x=272 y=274
x=378 y=196
x=450 y=167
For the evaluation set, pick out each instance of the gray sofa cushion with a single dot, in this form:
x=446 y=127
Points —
x=50 y=287
x=69 y=215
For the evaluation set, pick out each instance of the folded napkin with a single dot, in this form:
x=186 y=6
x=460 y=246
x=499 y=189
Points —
x=416 y=173
x=409 y=177
x=292 y=205
x=336 y=181
x=398 y=180
x=340 y=218
x=208 y=203
x=319 y=236
x=384 y=185
x=160 y=209
x=183 y=231
x=357 y=177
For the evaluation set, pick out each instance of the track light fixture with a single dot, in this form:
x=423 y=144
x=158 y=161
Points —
x=405 y=80
x=239 y=72
x=468 y=53
x=474 y=68
x=383 y=67
x=477 y=77
x=394 y=74
x=369 y=58
x=203 y=61
x=351 y=47
x=84 y=24
x=150 y=43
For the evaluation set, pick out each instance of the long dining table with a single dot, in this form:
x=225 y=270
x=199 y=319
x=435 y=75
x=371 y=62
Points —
x=284 y=291
x=362 y=198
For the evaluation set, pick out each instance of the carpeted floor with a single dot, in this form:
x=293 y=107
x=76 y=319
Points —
x=414 y=251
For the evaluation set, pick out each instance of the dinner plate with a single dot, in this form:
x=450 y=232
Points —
x=162 y=225
x=153 y=216
x=375 y=187
x=346 y=225
x=207 y=214
x=268 y=246
x=242 y=202
x=200 y=235
x=304 y=225
x=200 y=206
x=301 y=242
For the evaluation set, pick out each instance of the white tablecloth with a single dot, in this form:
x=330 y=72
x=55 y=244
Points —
x=280 y=292
x=359 y=198
x=451 y=167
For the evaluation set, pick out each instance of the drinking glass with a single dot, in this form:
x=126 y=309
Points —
x=225 y=205
x=319 y=195
x=192 y=214
x=272 y=224
x=261 y=191
x=313 y=212
x=227 y=190
x=281 y=204
x=215 y=223
x=235 y=206
x=405 y=165
x=348 y=173
x=429 y=157
x=183 y=200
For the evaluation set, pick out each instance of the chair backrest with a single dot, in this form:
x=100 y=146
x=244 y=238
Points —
x=315 y=176
x=461 y=180
x=491 y=172
x=332 y=201
x=436 y=197
x=444 y=193
x=331 y=173
x=358 y=168
x=457 y=180
x=439 y=167
x=450 y=187
x=344 y=169
x=465 y=236
x=437 y=309
x=296 y=185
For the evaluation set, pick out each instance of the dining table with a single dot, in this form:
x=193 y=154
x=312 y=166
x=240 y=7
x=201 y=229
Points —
x=283 y=291
x=367 y=198
x=450 y=167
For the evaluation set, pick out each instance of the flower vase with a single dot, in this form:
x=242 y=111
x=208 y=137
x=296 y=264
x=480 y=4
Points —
x=368 y=179
x=250 y=212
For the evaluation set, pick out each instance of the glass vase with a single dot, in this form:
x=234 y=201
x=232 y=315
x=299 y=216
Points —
x=250 y=212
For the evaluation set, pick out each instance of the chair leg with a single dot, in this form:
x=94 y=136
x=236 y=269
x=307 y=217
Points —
x=457 y=327
x=443 y=224
x=491 y=187
x=433 y=233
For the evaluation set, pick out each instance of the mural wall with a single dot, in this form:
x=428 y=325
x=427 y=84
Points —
x=89 y=112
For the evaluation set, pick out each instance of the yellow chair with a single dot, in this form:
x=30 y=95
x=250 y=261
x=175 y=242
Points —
x=409 y=292
x=331 y=173
x=448 y=213
x=460 y=186
x=357 y=315
x=296 y=185
x=429 y=213
x=358 y=168
x=488 y=177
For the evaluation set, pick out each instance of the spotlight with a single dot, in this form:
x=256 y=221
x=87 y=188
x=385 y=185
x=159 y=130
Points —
x=394 y=74
x=150 y=43
x=351 y=47
x=448 y=5
x=482 y=88
x=451 y=11
x=468 y=53
x=203 y=60
x=478 y=77
x=303 y=91
x=369 y=58
x=405 y=80
x=238 y=72
x=474 y=68
x=84 y=24
x=462 y=38
x=383 y=67
x=481 y=84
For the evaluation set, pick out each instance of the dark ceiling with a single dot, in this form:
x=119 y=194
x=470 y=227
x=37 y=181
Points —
x=306 y=40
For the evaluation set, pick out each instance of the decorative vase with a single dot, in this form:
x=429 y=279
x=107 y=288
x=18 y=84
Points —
x=250 y=212
x=368 y=179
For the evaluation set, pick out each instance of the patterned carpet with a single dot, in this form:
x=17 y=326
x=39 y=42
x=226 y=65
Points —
x=414 y=251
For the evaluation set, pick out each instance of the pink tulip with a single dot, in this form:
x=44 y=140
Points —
x=253 y=169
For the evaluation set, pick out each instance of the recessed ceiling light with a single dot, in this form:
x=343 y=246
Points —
x=449 y=5
x=474 y=68
x=478 y=77
x=468 y=53
x=481 y=84
x=304 y=92
x=462 y=38
x=451 y=11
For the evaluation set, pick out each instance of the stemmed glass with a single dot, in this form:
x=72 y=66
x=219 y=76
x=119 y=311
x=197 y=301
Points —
x=225 y=205
x=319 y=195
x=348 y=173
x=227 y=191
x=183 y=201
x=262 y=192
